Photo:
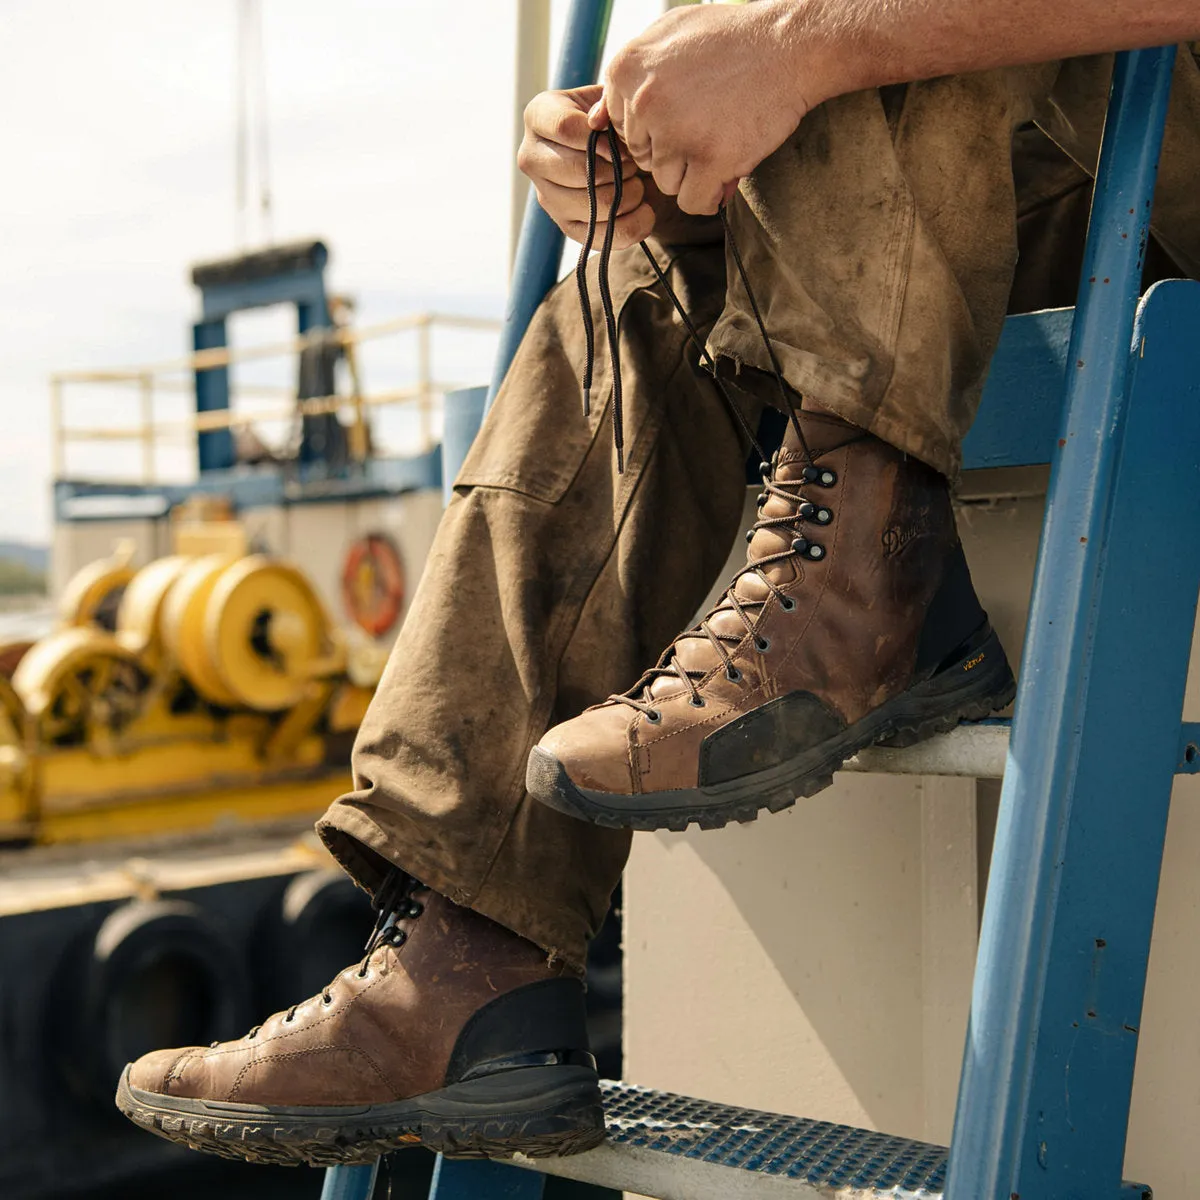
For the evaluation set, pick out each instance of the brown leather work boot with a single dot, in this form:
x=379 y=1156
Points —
x=854 y=621
x=452 y=1033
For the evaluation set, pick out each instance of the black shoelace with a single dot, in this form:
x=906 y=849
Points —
x=394 y=902
x=610 y=318
x=801 y=509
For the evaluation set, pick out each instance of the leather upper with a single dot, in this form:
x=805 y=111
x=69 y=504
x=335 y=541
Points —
x=384 y=1035
x=849 y=640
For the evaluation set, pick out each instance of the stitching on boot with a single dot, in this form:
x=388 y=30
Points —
x=237 y=1083
x=239 y=1045
x=175 y=1070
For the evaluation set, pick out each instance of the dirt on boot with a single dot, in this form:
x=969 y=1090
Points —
x=452 y=1033
x=854 y=622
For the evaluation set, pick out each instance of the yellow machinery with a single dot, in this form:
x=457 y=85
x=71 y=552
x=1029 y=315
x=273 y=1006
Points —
x=205 y=687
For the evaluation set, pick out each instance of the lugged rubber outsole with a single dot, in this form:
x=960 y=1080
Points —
x=935 y=706
x=540 y=1116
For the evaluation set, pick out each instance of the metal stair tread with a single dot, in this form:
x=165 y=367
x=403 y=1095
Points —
x=977 y=749
x=671 y=1146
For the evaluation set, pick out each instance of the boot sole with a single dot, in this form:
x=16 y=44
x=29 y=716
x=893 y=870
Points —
x=971 y=689
x=541 y=1112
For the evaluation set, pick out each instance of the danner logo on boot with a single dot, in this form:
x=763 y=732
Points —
x=911 y=526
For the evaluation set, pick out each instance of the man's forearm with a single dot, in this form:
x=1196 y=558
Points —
x=848 y=45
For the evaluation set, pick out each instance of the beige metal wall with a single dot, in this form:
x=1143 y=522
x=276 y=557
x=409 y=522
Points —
x=819 y=961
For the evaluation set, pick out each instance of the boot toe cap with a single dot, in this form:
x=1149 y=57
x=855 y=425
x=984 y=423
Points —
x=156 y=1071
x=593 y=750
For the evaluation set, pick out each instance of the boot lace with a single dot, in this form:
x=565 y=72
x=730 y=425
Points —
x=800 y=508
x=395 y=902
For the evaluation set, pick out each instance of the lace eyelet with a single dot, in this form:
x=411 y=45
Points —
x=697 y=702
x=800 y=545
x=787 y=604
x=822 y=476
x=815 y=552
x=361 y=974
x=807 y=510
x=653 y=716
x=733 y=675
x=326 y=999
x=762 y=644
x=824 y=516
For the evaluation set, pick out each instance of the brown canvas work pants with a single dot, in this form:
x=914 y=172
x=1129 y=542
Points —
x=881 y=241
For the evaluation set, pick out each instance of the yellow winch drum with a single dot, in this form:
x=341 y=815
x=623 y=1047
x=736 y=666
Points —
x=248 y=632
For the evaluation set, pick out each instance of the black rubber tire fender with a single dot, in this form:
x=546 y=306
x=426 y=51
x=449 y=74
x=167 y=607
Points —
x=159 y=973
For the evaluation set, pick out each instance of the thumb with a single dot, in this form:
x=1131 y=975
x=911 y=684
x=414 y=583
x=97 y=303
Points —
x=598 y=114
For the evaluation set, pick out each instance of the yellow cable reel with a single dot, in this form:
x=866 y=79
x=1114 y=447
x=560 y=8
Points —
x=80 y=685
x=251 y=633
x=94 y=591
x=16 y=769
x=139 y=617
x=267 y=634
x=181 y=624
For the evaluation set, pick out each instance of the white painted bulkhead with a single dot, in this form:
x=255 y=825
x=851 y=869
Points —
x=313 y=535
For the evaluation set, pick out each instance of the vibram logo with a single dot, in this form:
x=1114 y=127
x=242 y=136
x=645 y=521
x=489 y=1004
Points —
x=972 y=663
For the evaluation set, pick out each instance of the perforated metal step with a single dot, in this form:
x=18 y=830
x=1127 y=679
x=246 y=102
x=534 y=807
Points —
x=677 y=1148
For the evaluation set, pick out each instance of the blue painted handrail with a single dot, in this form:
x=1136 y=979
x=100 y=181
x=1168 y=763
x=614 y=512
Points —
x=539 y=248
x=992 y=1135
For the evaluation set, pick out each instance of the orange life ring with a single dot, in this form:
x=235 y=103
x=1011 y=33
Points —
x=373 y=584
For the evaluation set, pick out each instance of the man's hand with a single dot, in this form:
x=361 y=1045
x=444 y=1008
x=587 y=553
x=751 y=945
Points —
x=703 y=96
x=553 y=154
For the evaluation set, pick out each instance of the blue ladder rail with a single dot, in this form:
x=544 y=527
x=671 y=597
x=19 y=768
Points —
x=1047 y=1075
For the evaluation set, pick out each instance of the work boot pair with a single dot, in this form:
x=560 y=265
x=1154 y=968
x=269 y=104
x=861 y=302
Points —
x=853 y=622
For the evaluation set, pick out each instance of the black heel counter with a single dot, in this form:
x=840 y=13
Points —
x=953 y=618
x=540 y=1024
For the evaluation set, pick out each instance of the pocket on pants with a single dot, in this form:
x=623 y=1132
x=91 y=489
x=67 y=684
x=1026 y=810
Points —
x=536 y=438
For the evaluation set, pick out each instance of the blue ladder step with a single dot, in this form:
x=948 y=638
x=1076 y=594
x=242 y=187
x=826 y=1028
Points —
x=679 y=1148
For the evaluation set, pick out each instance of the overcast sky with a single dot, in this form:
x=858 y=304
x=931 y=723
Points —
x=390 y=136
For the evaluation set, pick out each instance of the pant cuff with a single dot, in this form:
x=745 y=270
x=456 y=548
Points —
x=366 y=853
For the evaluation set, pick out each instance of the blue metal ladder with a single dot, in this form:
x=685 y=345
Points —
x=1048 y=1068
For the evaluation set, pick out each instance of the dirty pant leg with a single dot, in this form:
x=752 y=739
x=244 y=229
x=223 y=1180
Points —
x=881 y=239
x=880 y=242
x=1073 y=115
x=551 y=583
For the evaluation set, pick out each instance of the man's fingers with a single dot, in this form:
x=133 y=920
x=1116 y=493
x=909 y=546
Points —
x=571 y=204
x=701 y=189
x=598 y=117
x=557 y=117
x=540 y=159
x=668 y=174
x=614 y=106
x=630 y=229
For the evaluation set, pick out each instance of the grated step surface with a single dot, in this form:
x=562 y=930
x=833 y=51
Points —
x=678 y=1148
x=673 y=1147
